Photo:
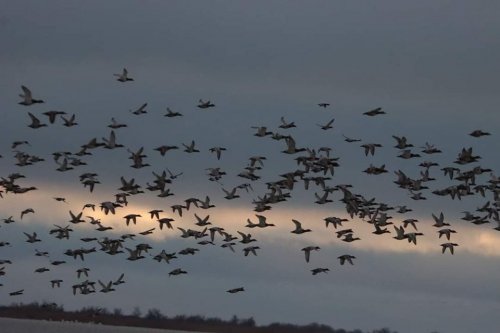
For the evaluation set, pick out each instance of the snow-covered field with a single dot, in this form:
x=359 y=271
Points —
x=9 y=325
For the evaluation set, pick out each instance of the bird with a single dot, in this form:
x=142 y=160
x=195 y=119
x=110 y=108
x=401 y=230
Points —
x=235 y=290
x=374 y=112
x=439 y=221
x=140 y=110
x=32 y=238
x=53 y=114
x=69 y=122
x=177 y=271
x=327 y=126
x=35 y=122
x=446 y=232
x=370 y=148
x=172 y=114
x=123 y=77
x=298 y=228
x=286 y=125
x=307 y=251
x=217 y=150
x=450 y=246
x=346 y=258
x=26 y=211
x=28 y=97
x=17 y=292
x=478 y=133
x=205 y=105
x=316 y=271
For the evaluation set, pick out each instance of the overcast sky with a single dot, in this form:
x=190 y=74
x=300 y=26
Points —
x=431 y=65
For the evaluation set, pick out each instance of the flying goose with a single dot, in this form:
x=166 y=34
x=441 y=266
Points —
x=172 y=114
x=177 y=271
x=26 y=211
x=439 y=221
x=327 y=126
x=217 y=151
x=346 y=257
x=17 y=292
x=450 y=246
x=348 y=139
x=35 y=122
x=286 y=125
x=250 y=249
x=28 y=98
x=307 y=251
x=115 y=124
x=190 y=148
x=374 y=112
x=319 y=270
x=69 y=122
x=120 y=280
x=123 y=77
x=205 y=105
x=478 y=133
x=140 y=110
x=370 y=148
x=53 y=114
x=230 y=194
x=235 y=290
x=298 y=228
x=106 y=288
x=32 y=238
x=446 y=232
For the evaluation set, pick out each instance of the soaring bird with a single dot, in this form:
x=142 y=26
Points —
x=28 y=97
x=123 y=77
x=374 y=112
x=235 y=290
x=298 y=228
x=307 y=251
x=205 y=105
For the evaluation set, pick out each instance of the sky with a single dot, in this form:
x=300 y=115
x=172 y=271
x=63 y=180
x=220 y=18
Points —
x=431 y=65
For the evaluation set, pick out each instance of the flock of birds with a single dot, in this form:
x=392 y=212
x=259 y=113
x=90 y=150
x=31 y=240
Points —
x=315 y=168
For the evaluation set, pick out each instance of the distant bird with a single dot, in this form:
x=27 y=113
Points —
x=370 y=148
x=205 y=105
x=32 y=238
x=307 y=251
x=347 y=139
x=323 y=105
x=177 y=271
x=450 y=246
x=217 y=151
x=53 y=114
x=140 y=110
x=17 y=292
x=478 y=133
x=114 y=124
x=446 y=232
x=346 y=257
x=28 y=98
x=123 y=77
x=327 y=126
x=69 y=122
x=171 y=114
x=235 y=290
x=439 y=221
x=298 y=228
x=286 y=125
x=35 y=122
x=316 y=271
x=374 y=112
x=26 y=211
